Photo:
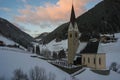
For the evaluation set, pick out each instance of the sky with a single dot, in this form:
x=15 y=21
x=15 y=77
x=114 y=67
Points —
x=37 y=16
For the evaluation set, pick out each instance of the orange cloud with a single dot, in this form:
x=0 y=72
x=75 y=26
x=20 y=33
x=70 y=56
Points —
x=50 y=12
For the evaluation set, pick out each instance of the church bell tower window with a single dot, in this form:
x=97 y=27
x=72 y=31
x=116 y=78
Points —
x=76 y=35
x=70 y=35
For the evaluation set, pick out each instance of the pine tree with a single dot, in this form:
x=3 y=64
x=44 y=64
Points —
x=37 y=50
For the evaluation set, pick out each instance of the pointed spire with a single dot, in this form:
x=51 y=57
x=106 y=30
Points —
x=72 y=18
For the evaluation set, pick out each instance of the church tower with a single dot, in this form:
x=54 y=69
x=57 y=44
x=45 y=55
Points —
x=73 y=37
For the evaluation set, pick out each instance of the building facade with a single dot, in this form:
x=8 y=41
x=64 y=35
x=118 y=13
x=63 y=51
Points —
x=95 y=61
x=92 y=60
x=73 y=37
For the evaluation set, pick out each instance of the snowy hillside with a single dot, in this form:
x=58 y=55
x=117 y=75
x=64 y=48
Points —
x=56 y=46
x=15 y=59
x=6 y=40
x=12 y=58
x=112 y=51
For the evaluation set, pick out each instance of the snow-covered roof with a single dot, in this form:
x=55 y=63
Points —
x=81 y=46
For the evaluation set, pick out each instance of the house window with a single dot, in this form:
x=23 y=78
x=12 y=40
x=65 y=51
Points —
x=99 y=60
x=94 y=60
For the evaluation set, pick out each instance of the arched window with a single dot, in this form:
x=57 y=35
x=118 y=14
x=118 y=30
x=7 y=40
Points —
x=94 y=60
x=84 y=60
x=88 y=60
x=70 y=35
x=99 y=60
x=76 y=35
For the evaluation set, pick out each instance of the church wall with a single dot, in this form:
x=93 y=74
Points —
x=71 y=47
x=73 y=43
x=96 y=61
x=101 y=61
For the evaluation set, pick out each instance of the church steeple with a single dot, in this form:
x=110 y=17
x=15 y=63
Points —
x=72 y=18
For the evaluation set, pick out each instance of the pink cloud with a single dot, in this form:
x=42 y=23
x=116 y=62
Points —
x=50 y=12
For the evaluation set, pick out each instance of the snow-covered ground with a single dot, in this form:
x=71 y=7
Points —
x=89 y=75
x=6 y=40
x=112 y=51
x=11 y=60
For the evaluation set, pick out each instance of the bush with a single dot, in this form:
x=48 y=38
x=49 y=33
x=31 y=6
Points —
x=37 y=74
x=51 y=76
x=62 y=54
x=19 y=75
x=46 y=53
x=40 y=74
x=113 y=66
x=37 y=50
x=55 y=56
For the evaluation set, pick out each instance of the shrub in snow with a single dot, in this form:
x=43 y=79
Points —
x=55 y=56
x=37 y=50
x=19 y=75
x=61 y=54
x=40 y=74
x=51 y=76
x=2 y=43
x=33 y=50
x=115 y=67
x=37 y=74
x=46 y=53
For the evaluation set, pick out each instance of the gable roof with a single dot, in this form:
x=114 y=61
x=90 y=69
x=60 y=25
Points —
x=72 y=18
x=91 y=48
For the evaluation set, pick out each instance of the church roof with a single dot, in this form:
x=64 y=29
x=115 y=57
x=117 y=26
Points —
x=72 y=18
x=91 y=48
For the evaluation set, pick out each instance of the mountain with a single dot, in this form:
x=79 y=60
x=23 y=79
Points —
x=41 y=36
x=103 y=18
x=12 y=32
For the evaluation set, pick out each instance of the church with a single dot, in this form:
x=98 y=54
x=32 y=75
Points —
x=87 y=58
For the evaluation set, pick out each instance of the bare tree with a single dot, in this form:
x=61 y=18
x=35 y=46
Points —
x=55 y=55
x=19 y=75
x=46 y=53
x=37 y=74
x=51 y=76
x=38 y=50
